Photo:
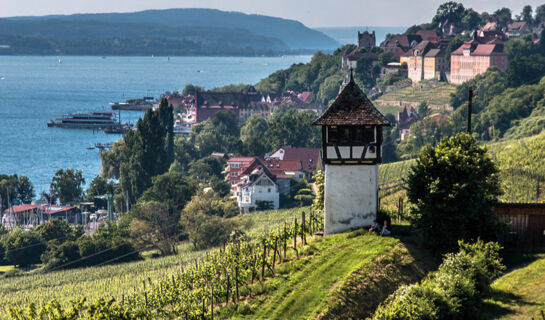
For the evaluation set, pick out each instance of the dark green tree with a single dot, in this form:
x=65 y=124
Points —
x=540 y=14
x=8 y=189
x=294 y=128
x=23 y=248
x=471 y=19
x=67 y=185
x=452 y=188
x=191 y=89
x=166 y=114
x=55 y=229
x=451 y=11
x=253 y=135
x=172 y=189
x=526 y=15
x=25 y=190
x=503 y=16
x=206 y=168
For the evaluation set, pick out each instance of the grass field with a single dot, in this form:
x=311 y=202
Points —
x=116 y=280
x=437 y=96
x=519 y=294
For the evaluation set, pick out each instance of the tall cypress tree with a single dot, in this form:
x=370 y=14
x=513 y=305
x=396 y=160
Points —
x=166 y=113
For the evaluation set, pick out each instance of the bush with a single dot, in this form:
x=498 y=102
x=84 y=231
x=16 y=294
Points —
x=206 y=231
x=409 y=303
x=23 y=248
x=455 y=291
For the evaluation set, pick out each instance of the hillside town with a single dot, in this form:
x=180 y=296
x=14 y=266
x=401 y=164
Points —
x=398 y=177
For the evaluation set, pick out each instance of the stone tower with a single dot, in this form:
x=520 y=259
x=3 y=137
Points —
x=351 y=151
x=367 y=40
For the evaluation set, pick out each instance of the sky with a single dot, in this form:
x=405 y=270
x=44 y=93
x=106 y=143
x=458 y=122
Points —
x=313 y=13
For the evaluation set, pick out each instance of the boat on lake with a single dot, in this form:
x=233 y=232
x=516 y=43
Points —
x=142 y=104
x=118 y=128
x=89 y=120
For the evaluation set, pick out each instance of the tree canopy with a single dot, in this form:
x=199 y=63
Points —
x=452 y=188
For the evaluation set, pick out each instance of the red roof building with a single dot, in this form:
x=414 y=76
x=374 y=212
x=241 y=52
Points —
x=473 y=58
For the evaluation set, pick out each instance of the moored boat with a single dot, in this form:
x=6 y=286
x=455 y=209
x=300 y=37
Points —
x=90 y=120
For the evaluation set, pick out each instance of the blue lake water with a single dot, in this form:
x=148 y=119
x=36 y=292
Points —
x=34 y=90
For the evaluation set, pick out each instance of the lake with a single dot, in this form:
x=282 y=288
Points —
x=34 y=90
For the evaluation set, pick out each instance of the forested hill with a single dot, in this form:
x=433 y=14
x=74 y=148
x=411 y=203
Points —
x=160 y=32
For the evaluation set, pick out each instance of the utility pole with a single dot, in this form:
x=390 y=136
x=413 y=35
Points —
x=469 y=102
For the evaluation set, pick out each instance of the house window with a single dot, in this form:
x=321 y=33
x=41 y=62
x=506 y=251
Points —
x=269 y=190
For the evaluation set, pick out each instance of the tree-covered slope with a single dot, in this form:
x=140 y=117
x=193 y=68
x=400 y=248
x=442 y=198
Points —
x=189 y=31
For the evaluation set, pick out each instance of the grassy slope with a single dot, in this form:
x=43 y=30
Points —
x=119 y=279
x=437 y=96
x=519 y=294
x=338 y=274
x=307 y=290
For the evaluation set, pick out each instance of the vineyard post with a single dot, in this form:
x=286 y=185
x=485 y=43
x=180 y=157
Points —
x=263 y=261
x=303 y=235
x=212 y=300
x=203 y=309
x=173 y=282
x=274 y=254
x=295 y=238
x=285 y=240
x=227 y=291
x=236 y=280
x=253 y=268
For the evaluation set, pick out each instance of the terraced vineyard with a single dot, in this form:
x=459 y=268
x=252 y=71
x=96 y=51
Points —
x=439 y=95
x=521 y=163
x=122 y=279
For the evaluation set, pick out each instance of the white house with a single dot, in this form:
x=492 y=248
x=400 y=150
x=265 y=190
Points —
x=257 y=189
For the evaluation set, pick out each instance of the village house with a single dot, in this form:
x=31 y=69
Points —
x=234 y=167
x=258 y=189
x=426 y=61
x=243 y=104
x=310 y=158
x=517 y=29
x=473 y=58
x=399 y=44
x=35 y=214
x=405 y=119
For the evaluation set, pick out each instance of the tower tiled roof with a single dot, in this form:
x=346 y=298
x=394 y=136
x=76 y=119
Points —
x=351 y=107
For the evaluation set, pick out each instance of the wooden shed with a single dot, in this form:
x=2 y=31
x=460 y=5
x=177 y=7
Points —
x=526 y=224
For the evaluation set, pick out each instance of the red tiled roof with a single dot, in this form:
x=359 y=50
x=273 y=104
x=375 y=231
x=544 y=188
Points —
x=309 y=157
x=241 y=159
x=57 y=209
x=305 y=96
x=351 y=107
x=429 y=35
x=284 y=165
x=21 y=208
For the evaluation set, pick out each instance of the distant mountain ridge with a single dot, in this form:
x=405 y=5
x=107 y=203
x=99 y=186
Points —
x=171 y=31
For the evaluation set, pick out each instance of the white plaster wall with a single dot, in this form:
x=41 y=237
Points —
x=261 y=193
x=350 y=196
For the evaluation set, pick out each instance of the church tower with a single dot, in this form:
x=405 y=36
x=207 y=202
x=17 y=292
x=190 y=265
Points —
x=351 y=151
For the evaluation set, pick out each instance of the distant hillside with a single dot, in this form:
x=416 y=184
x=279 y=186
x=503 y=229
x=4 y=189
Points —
x=160 y=32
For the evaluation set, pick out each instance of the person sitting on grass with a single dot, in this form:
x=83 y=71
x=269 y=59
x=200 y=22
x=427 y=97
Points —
x=385 y=231
x=375 y=227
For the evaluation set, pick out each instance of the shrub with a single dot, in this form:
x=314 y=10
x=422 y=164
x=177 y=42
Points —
x=23 y=248
x=453 y=292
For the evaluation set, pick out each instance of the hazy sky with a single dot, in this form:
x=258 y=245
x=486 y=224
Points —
x=313 y=13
